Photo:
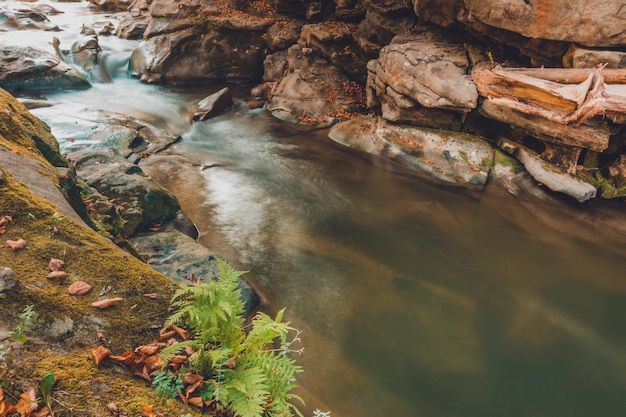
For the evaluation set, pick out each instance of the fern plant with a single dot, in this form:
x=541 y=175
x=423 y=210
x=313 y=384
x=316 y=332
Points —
x=250 y=373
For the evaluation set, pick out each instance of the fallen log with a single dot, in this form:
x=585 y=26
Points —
x=558 y=102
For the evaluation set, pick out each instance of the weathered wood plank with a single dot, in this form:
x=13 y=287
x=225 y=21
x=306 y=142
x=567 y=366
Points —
x=592 y=134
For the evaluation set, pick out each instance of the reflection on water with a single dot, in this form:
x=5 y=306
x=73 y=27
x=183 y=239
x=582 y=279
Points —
x=414 y=301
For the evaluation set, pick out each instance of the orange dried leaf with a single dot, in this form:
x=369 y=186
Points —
x=106 y=303
x=79 y=288
x=148 y=350
x=57 y=275
x=5 y=407
x=15 y=149
x=27 y=403
x=184 y=334
x=3 y=229
x=126 y=358
x=195 y=401
x=166 y=335
x=147 y=410
x=99 y=354
x=16 y=244
x=55 y=264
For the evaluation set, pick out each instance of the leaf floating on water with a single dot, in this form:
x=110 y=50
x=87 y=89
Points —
x=55 y=264
x=57 y=275
x=106 y=303
x=79 y=288
x=99 y=353
x=16 y=244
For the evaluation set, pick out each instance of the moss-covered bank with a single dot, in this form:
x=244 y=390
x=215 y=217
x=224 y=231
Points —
x=68 y=327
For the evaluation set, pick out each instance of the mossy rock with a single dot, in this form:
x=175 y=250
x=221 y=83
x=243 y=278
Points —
x=18 y=127
x=82 y=388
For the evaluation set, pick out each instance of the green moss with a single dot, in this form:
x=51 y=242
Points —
x=607 y=188
x=92 y=259
x=500 y=158
x=487 y=162
x=19 y=128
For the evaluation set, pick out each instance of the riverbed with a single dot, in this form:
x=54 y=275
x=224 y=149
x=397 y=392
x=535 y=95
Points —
x=414 y=300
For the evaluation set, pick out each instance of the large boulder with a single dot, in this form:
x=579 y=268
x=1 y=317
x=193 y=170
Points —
x=141 y=200
x=541 y=30
x=421 y=71
x=450 y=158
x=30 y=68
x=178 y=50
x=312 y=91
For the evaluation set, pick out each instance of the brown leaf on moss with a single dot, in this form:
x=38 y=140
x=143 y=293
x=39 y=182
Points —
x=5 y=407
x=16 y=244
x=55 y=264
x=141 y=372
x=79 y=288
x=184 y=334
x=176 y=362
x=4 y=222
x=106 y=303
x=166 y=335
x=57 y=275
x=27 y=403
x=150 y=349
x=125 y=358
x=195 y=401
x=99 y=353
x=151 y=295
x=153 y=362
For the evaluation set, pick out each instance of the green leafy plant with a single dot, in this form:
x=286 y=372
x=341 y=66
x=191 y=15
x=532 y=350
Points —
x=28 y=319
x=248 y=372
x=167 y=384
x=47 y=382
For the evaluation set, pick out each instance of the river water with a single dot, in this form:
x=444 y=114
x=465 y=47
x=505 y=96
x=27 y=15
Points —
x=414 y=300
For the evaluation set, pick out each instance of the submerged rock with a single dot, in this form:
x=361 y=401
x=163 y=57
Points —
x=452 y=158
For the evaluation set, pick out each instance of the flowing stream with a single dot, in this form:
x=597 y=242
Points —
x=413 y=300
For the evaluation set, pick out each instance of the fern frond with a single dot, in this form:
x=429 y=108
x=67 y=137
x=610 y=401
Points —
x=247 y=393
x=172 y=350
x=264 y=330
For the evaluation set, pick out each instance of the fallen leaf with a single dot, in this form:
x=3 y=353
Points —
x=57 y=275
x=55 y=264
x=126 y=358
x=176 y=362
x=16 y=244
x=195 y=401
x=15 y=149
x=79 y=288
x=166 y=335
x=99 y=353
x=108 y=302
x=147 y=410
x=27 y=403
x=148 y=350
x=151 y=295
x=153 y=362
x=5 y=407
x=184 y=334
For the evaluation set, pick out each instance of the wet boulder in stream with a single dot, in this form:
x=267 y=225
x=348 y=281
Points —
x=31 y=68
x=142 y=199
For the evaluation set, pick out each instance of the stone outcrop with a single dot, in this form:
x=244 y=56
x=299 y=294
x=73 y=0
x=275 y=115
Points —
x=30 y=68
x=141 y=200
x=212 y=105
x=450 y=157
x=421 y=71
x=177 y=50
x=312 y=91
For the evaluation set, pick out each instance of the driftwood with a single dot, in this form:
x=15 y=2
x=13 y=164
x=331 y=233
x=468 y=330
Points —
x=592 y=134
x=534 y=92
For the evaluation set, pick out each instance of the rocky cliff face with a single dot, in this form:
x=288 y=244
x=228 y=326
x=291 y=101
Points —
x=422 y=63
x=408 y=62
